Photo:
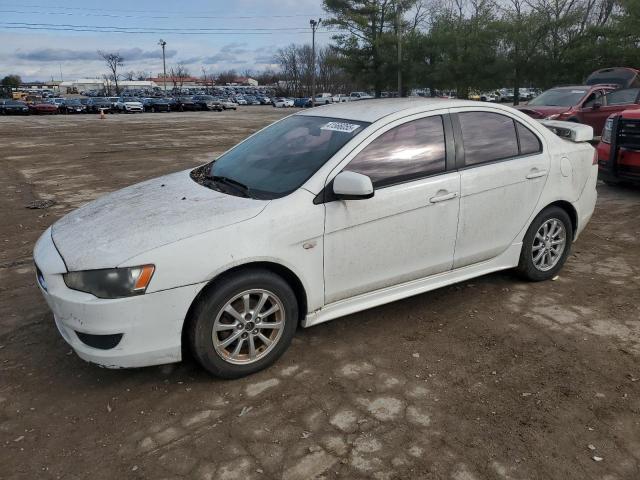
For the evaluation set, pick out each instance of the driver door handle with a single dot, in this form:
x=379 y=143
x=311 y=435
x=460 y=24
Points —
x=444 y=197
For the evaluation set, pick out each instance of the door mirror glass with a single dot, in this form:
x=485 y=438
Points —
x=352 y=186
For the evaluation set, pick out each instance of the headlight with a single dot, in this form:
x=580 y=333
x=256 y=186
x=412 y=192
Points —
x=552 y=117
x=606 y=131
x=111 y=282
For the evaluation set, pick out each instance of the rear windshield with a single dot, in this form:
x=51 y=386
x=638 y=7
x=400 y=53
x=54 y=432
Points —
x=559 y=97
x=280 y=158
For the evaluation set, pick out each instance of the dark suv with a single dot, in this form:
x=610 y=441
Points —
x=13 y=107
x=99 y=103
x=207 y=102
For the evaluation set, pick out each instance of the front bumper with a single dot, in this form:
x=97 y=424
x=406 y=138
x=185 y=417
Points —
x=625 y=168
x=134 y=108
x=147 y=329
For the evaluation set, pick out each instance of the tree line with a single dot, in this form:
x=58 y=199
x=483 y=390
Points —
x=466 y=45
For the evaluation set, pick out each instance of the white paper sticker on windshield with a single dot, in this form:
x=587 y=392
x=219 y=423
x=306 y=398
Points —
x=340 y=127
x=577 y=91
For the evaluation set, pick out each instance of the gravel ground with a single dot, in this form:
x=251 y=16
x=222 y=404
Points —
x=489 y=379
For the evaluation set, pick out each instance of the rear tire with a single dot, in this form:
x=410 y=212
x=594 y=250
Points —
x=546 y=245
x=239 y=307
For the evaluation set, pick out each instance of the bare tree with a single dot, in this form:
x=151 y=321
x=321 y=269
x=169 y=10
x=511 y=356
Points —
x=228 y=76
x=296 y=66
x=178 y=75
x=113 y=61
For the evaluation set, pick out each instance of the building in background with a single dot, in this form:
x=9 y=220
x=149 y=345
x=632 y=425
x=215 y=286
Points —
x=85 y=85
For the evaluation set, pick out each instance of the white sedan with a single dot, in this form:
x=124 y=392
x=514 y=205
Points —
x=324 y=213
x=282 y=102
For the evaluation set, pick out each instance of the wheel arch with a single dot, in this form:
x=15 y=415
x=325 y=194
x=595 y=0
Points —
x=287 y=274
x=571 y=211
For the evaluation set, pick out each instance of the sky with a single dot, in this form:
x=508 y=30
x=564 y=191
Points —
x=41 y=40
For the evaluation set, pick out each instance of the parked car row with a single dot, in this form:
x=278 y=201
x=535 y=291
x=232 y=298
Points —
x=124 y=104
x=324 y=99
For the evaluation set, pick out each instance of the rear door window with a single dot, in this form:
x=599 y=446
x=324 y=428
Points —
x=623 y=97
x=487 y=137
x=528 y=141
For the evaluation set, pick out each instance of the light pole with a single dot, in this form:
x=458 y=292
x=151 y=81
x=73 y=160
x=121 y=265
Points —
x=163 y=44
x=314 y=24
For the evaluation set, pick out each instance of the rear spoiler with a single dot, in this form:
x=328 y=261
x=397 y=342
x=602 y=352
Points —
x=576 y=132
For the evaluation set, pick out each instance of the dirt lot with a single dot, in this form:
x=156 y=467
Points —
x=490 y=379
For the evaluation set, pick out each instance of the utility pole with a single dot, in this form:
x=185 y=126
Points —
x=163 y=44
x=399 y=31
x=314 y=24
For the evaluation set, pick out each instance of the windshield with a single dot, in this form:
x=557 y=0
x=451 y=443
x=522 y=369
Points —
x=559 y=97
x=280 y=158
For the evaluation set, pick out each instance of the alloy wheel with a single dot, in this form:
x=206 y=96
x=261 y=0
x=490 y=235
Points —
x=549 y=244
x=248 y=327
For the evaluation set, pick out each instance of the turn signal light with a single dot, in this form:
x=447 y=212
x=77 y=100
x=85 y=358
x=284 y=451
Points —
x=145 y=276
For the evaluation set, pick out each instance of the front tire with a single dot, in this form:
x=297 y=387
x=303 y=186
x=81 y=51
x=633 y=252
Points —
x=546 y=245
x=243 y=324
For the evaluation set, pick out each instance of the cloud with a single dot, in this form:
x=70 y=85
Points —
x=63 y=54
x=232 y=53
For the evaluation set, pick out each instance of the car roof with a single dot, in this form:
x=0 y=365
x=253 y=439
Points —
x=373 y=110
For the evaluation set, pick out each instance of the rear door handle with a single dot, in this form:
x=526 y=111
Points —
x=535 y=173
x=443 y=198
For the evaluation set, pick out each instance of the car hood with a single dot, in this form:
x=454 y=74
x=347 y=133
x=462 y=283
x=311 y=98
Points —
x=541 y=111
x=120 y=225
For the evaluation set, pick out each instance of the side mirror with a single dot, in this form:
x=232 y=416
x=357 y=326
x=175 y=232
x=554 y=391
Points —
x=352 y=186
x=595 y=106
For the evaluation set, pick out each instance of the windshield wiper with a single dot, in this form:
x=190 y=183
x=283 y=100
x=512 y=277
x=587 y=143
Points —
x=238 y=186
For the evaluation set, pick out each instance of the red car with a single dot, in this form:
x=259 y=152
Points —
x=619 y=148
x=43 y=108
x=581 y=103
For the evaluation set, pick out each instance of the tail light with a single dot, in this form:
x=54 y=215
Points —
x=595 y=158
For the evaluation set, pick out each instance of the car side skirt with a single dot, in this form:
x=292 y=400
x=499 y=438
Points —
x=508 y=259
